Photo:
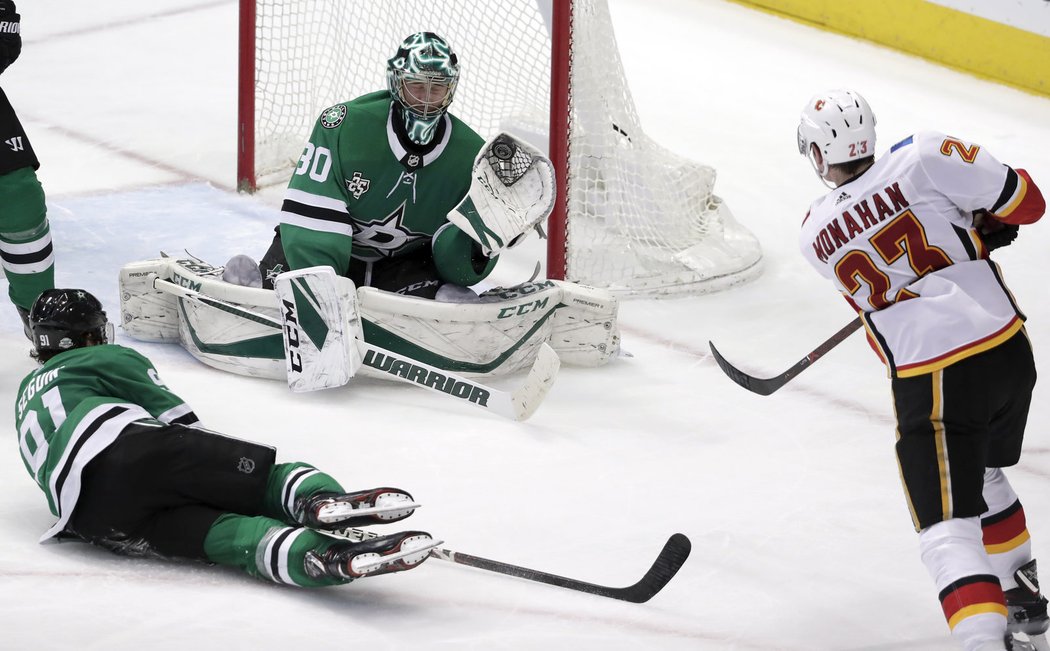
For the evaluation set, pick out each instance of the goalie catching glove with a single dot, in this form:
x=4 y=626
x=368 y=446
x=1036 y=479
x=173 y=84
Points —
x=511 y=191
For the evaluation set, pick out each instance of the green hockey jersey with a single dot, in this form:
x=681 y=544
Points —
x=75 y=405
x=360 y=190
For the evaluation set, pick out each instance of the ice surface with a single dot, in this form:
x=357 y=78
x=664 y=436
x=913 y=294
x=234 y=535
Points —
x=801 y=537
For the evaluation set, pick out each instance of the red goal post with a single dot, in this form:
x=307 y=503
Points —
x=630 y=215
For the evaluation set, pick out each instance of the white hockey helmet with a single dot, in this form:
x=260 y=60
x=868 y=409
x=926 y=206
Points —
x=840 y=123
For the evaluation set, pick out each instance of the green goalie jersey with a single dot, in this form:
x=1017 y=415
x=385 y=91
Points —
x=361 y=191
x=75 y=405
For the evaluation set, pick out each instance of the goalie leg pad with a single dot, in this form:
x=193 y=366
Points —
x=585 y=331
x=497 y=336
x=147 y=313
x=228 y=327
x=230 y=339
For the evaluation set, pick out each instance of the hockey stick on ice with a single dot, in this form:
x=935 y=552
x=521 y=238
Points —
x=766 y=386
x=518 y=404
x=667 y=563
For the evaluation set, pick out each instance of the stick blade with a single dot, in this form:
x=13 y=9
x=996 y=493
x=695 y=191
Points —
x=762 y=387
x=539 y=382
x=670 y=560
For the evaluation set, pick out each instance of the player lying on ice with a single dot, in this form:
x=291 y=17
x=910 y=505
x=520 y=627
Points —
x=125 y=464
x=406 y=201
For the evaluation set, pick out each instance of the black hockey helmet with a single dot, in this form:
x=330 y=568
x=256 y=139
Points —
x=62 y=319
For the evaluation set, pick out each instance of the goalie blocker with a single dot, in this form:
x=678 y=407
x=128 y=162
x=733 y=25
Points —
x=239 y=330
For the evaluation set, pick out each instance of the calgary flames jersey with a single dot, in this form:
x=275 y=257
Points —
x=899 y=242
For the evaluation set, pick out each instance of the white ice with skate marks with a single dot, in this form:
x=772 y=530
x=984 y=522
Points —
x=801 y=539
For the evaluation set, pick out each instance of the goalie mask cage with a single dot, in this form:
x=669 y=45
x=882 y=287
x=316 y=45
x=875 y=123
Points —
x=630 y=215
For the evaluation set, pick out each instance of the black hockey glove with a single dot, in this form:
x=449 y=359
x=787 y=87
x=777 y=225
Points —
x=10 y=34
x=994 y=233
x=1001 y=237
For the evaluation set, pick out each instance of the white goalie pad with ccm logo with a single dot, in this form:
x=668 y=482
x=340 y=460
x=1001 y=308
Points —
x=243 y=329
x=319 y=312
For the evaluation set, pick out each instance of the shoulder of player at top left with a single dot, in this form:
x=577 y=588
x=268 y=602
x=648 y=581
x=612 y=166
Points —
x=10 y=34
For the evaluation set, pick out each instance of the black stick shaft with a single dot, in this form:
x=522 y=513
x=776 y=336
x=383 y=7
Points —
x=667 y=564
x=766 y=386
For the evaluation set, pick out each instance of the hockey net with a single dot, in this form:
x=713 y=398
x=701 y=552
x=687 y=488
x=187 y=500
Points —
x=633 y=217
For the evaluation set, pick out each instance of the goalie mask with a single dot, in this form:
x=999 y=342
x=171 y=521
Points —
x=840 y=123
x=422 y=78
x=63 y=319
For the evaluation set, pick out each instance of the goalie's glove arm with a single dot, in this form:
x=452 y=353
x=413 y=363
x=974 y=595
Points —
x=512 y=191
x=458 y=258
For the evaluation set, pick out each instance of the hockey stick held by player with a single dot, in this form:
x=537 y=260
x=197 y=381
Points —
x=125 y=464
x=897 y=237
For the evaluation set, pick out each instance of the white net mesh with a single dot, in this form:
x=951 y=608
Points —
x=640 y=219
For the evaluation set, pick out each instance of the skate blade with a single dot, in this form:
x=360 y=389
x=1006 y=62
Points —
x=412 y=552
x=335 y=513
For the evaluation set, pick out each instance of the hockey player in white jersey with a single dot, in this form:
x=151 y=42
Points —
x=906 y=240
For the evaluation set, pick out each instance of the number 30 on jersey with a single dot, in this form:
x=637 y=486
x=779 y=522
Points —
x=315 y=161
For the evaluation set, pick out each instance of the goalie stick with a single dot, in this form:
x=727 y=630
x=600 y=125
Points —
x=766 y=386
x=667 y=563
x=518 y=404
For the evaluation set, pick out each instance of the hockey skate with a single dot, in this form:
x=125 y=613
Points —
x=1026 y=612
x=395 y=552
x=328 y=511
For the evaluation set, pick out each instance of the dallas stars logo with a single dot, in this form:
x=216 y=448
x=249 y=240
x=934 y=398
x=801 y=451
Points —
x=277 y=270
x=386 y=237
x=332 y=117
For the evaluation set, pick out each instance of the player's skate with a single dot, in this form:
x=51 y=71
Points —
x=374 y=506
x=1026 y=612
x=395 y=552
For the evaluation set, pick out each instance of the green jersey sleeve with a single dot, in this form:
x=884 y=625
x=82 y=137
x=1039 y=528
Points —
x=316 y=225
